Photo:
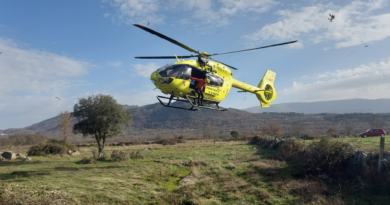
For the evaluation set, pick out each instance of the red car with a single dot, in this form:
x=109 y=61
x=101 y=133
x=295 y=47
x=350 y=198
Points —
x=373 y=132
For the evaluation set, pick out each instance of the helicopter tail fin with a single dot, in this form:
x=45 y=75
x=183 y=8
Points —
x=267 y=92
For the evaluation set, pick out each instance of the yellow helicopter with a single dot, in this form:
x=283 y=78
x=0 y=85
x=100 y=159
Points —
x=175 y=79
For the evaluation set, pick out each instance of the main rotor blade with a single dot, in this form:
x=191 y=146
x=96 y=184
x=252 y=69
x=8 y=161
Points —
x=166 y=38
x=165 y=57
x=224 y=64
x=279 y=44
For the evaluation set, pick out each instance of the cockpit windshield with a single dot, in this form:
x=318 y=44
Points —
x=180 y=71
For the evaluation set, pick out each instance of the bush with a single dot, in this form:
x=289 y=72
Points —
x=23 y=139
x=86 y=160
x=119 y=156
x=136 y=155
x=134 y=142
x=234 y=134
x=170 y=141
x=326 y=156
x=290 y=148
x=52 y=146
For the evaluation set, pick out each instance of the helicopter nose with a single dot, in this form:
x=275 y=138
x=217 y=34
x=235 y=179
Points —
x=153 y=77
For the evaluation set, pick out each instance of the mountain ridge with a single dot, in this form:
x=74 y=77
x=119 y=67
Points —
x=334 y=106
x=154 y=118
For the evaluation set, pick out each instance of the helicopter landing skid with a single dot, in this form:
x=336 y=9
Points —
x=216 y=103
x=189 y=99
x=170 y=100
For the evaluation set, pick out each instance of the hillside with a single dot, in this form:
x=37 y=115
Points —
x=336 y=106
x=153 y=119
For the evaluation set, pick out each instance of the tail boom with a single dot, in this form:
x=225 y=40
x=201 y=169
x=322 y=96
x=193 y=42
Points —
x=265 y=91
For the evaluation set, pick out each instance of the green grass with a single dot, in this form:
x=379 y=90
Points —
x=225 y=174
x=369 y=144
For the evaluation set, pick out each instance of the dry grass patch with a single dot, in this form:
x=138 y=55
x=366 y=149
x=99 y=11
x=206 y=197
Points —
x=267 y=163
x=311 y=191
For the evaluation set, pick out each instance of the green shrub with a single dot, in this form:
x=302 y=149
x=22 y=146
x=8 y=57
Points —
x=325 y=156
x=170 y=141
x=235 y=134
x=23 y=140
x=52 y=146
x=119 y=156
x=86 y=160
x=136 y=155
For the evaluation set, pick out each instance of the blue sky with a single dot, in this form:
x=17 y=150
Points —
x=73 y=49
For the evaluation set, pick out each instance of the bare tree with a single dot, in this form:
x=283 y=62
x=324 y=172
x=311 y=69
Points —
x=376 y=121
x=349 y=129
x=208 y=132
x=297 y=128
x=65 y=124
x=272 y=128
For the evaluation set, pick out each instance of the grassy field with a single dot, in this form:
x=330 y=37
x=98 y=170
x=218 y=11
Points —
x=195 y=172
x=369 y=144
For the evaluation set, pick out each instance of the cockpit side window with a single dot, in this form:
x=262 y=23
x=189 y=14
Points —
x=184 y=73
x=215 y=81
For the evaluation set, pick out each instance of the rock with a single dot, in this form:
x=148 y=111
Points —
x=386 y=156
x=188 y=180
x=75 y=153
x=276 y=144
x=20 y=155
x=2 y=159
x=9 y=155
x=360 y=160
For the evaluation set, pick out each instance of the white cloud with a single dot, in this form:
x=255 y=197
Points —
x=35 y=71
x=137 y=11
x=232 y=7
x=145 y=70
x=371 y=81
x=211 y=13
x=106 y=15
x=353 y=24
x=200 y=12
x=23 y=111
x=140 y=99
x=114 y=64
x=29 y=82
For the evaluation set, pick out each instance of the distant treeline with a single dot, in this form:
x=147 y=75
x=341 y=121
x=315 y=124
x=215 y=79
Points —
x=23 y=140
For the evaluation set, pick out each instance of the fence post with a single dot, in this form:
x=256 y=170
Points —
x=381 y=150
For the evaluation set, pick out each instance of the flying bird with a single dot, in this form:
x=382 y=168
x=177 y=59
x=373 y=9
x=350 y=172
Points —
x=58 y=98
x=331 y=17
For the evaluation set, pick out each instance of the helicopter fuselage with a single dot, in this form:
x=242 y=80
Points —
x=175 y=79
